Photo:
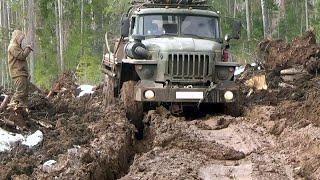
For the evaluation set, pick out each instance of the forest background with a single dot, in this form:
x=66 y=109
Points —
x=70 y=34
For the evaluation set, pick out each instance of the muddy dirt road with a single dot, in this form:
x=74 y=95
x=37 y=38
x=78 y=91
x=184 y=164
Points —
x=100 y=144
x=220 y=147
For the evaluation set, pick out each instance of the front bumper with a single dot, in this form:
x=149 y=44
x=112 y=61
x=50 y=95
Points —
x=187 y=95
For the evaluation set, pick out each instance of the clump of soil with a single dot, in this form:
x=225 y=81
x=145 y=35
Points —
x=301 y=113
x=65 y=86
x=278 y=53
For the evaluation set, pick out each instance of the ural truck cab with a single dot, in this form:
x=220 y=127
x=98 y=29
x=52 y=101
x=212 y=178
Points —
x=171 y=53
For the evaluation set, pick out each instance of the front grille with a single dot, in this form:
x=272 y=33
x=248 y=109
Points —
x=188 y=66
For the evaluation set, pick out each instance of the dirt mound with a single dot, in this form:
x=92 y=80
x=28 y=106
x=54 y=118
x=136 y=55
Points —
x=278 y=53
x=65 y=85
x=82 y=138
x=291 y=71
x=301 y=113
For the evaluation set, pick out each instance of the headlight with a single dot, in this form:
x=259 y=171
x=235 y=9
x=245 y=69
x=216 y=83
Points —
x=228 y=95
x=149 y=94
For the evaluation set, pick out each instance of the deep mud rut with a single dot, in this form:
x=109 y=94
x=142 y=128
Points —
x=214 y=147
x=278 y=137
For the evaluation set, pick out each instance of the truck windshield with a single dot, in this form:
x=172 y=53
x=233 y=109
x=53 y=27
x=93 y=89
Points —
x=183 y=25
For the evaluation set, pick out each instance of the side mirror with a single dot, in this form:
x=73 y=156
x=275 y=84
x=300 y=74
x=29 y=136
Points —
x=125 y=26
x=236 y=29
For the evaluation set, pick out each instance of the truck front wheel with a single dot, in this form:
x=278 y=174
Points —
x=234 y=109
x=134 y=109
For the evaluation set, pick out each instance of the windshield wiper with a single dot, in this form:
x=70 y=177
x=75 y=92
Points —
x=167 y=34
x=197 y=36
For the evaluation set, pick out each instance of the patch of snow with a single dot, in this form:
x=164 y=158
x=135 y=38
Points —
x=50 y=163
x=239 y=70
x=8 y=139
x=49 y=166
x=85 y=89
x=4 y=95
x=34 y=139
x=2 y=98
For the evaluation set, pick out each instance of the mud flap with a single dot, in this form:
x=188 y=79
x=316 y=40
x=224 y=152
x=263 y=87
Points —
x=108 y=91
x=134 y=109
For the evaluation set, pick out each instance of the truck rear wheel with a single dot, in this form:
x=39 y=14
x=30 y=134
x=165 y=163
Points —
x=108 y=91
x=134 y=109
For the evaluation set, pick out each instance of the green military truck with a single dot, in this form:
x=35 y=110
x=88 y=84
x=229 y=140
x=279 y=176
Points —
x=171 y=53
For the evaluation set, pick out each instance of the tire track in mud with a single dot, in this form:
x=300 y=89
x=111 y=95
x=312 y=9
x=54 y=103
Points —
x=213 y=147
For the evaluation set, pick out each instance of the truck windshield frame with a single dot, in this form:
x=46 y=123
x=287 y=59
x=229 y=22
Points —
x=178 y=25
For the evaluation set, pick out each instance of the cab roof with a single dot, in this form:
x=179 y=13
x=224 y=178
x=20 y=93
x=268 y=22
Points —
x=189 y=11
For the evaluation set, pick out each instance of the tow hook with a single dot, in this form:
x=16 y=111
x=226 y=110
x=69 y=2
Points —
x=176 y=109
x=207 y=92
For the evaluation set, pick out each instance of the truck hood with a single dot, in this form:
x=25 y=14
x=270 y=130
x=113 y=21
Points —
x=180 y=44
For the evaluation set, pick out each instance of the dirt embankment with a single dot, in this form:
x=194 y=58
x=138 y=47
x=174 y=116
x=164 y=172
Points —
x=86 y=140
x=302 y=50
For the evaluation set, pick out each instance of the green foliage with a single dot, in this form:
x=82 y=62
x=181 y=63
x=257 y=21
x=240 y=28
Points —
x=83 y=52
x=88 y=70
x=292 y=15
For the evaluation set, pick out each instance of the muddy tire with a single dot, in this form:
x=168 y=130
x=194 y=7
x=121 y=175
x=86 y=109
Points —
x=234 y=109
x=134 y=109
x=108 y=91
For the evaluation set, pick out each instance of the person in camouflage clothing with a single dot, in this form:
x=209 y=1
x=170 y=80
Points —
x=18 y=68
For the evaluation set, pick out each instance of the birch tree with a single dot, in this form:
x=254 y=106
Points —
x=307 y=14
x=60 y=12
x=56 y=13
x=2 y=68
x=31 y=35
x=264 y=19
x=82 y=4
x=248 y=20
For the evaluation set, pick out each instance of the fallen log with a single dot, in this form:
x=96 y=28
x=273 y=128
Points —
x=256 y=83
x=4 y=103
x=293 y=71
x=8 y=123
x=43 y=124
